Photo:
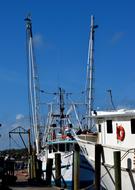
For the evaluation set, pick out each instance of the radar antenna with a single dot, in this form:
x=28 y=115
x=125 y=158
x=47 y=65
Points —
x=111 y=99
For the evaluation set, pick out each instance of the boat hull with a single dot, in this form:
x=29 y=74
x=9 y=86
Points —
x=107 y=165
x=86 y=171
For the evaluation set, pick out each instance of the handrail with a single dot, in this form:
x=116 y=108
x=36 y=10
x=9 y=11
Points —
x=126 y=153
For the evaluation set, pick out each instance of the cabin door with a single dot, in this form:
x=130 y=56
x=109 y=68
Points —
x=102 y=131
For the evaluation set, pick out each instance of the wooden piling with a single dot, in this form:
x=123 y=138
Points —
x=49 y=170
x=29 y=143
x=29 y=156
x=117 y=170
x=98 y=152
x=29 y=167
x=76 y=167
x=38 y=170
x=58 y=169
x=32 y=171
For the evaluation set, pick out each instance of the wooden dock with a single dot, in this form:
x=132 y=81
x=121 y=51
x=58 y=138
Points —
x=33 y=188
x=22 y=183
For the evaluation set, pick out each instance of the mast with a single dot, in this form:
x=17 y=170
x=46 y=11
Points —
x=62 y=116
x=90 y=71
x=61 y=93
x=33 y=85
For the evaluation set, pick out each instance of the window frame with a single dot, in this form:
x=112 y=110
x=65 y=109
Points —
x=109 y=126
x=132 y=124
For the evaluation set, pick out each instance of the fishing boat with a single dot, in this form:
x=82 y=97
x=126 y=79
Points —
x=58 y=138
x=115 y=131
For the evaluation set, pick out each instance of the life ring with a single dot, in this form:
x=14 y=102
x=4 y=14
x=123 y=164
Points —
x=66 y=137
x=120 y=133
x=63 y=136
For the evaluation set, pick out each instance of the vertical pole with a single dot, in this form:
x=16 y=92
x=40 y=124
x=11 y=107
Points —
x=29 y=155
x=73 y=172
x=38 y=170
x=58 y=169
x=76 y=167
x=32 y=171
x=34 y=166
x=29 y=144
x=98 y=152
x=49 y=170
x=90 y=77
x=33 y=84
x=90 y=73
x=117 y=169
x=29 y=167
x=134 y=160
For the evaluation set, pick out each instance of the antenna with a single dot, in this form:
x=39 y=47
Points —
x=111 y=99
x=33 y=85
x=90 y=71
x=61 y=96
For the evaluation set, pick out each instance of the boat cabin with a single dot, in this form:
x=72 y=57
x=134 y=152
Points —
x=116 y=128
x=66 y=146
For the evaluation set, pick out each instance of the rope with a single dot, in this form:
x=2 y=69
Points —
x=14 y=142
x=88 y=187
x=58 y=178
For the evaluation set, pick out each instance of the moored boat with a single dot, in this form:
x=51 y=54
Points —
x=115 y=132
x=58 y=138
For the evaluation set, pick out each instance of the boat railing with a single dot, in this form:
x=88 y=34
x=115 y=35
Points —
x=132 y=150
x=91 y=137
x=127 y=152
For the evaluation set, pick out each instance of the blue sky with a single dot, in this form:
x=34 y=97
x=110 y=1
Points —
x=61 y=33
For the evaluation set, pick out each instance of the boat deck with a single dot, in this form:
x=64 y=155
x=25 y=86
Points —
x=92 y=137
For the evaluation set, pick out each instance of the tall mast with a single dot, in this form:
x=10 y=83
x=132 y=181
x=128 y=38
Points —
x=33 y=85
x=61 y=100
x=61 y=91
x=90 y=70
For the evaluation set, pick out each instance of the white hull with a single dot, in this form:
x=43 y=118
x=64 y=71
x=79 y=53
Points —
x=107 y=170
x=86 y=171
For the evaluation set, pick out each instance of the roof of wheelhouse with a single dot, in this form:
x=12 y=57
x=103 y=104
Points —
x=114 y=113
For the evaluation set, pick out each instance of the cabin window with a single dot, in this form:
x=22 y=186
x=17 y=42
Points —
x=50 y=148
x=109 y=126
x=67 y=147
x=62 y=147
x=55 y=148
x=99 y=128
x=71 y=147
x=132 y=126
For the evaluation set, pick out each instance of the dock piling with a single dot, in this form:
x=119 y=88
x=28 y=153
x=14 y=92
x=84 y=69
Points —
x=58 y=169
x=49 y=170
x=98 y=152
x=76 y=167
x=117 y=170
